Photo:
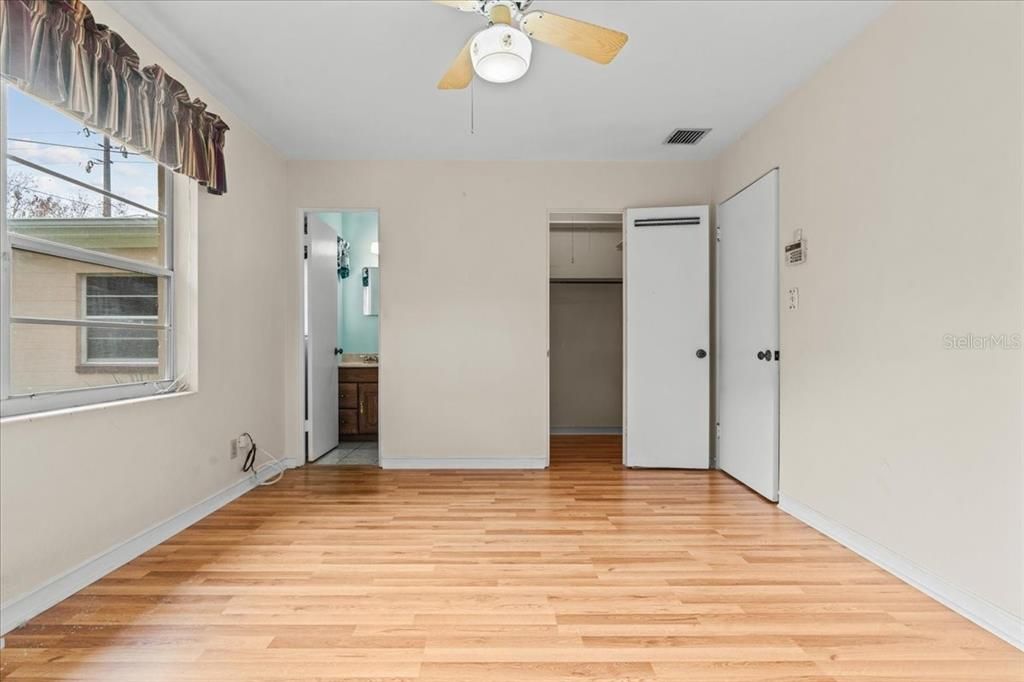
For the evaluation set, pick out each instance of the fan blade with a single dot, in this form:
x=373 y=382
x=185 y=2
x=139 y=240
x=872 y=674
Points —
x=464 y=5
x=461 y=71
x=501 y=14
x=594 y=42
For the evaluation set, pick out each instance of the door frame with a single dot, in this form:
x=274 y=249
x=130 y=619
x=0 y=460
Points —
x=547 y=315
x=299 y=359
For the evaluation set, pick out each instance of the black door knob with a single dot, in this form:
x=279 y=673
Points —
x=760 y=355
x=701 y=353
x=768 y=355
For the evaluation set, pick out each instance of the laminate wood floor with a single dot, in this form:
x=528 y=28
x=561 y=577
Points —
x=586 y=571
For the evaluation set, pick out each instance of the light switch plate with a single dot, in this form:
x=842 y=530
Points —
x=794 y=298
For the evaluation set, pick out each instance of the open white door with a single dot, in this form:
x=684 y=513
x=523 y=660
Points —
x=748 y=336
x=667 y=318
x=322 y=326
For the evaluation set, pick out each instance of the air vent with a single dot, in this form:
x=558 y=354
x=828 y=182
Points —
x=687 y=135
x=665 y=222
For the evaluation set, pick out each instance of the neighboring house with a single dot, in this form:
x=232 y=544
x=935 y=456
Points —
x=49 y=357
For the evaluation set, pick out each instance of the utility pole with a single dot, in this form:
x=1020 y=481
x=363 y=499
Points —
x=106 y=176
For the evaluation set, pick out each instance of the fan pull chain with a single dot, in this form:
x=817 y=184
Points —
x=572 y=241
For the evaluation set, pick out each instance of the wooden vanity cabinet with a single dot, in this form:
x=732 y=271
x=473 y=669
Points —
x=368 y=408
x=348 y=396
x=357 y=403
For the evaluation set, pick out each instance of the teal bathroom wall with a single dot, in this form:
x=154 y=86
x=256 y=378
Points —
x=357 y=333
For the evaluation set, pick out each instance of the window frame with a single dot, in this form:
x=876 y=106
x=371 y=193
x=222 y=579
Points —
x=30 y=403
x=87 y=364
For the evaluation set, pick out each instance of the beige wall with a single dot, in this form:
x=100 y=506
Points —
x=901 y=161
x=464 y=287
x=586 y=355
x=75 y=485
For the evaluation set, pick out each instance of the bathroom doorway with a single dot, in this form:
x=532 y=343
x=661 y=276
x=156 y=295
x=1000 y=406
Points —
x=342 y=337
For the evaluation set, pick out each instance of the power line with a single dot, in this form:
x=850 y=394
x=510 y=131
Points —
x=79 y=163
x=51 y=132
x=63 y=198
x=57 y=196
x=71 y=146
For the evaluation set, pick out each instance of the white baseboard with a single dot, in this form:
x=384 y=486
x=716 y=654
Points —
x=995 y=619
x=19 y=610
x=585 y=430
x=464 y=462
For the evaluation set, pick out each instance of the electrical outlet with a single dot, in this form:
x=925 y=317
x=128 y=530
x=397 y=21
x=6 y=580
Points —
x=240 y=446
x=794 y=298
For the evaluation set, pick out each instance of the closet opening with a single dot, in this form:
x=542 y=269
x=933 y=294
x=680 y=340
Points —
x=585 y=323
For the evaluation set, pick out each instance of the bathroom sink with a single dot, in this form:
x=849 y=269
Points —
x=359 y=360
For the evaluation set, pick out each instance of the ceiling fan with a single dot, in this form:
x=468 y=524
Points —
x=501 y=52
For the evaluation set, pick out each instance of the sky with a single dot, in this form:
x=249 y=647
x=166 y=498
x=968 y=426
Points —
x=28 y=119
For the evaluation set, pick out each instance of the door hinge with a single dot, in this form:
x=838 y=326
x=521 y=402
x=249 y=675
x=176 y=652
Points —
x=718 y=430
x=305 y=251
x=305 y=224
x=718 y=233
x=307 y=425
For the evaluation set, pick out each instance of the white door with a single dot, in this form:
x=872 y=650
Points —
x=667 y=317
x=748 y=336
x=322 y=326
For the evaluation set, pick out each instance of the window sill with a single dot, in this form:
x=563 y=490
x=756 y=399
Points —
x=90 y=368
x=19 y=418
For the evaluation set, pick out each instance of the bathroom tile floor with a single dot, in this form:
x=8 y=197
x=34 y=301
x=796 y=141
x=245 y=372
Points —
x=351 y=454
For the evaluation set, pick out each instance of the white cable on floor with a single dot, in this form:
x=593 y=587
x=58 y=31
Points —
x=250 y=462
x=275 y=462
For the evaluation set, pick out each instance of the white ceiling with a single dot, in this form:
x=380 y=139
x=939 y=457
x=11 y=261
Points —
x=356 y=80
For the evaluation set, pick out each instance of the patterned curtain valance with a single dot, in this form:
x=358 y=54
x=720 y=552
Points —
x=55 y=50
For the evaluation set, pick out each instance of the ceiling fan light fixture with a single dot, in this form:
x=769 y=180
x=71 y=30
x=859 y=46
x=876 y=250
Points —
x=501 y=53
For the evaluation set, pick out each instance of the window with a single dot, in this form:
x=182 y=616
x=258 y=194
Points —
x=128 y=298
x=87 y=259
